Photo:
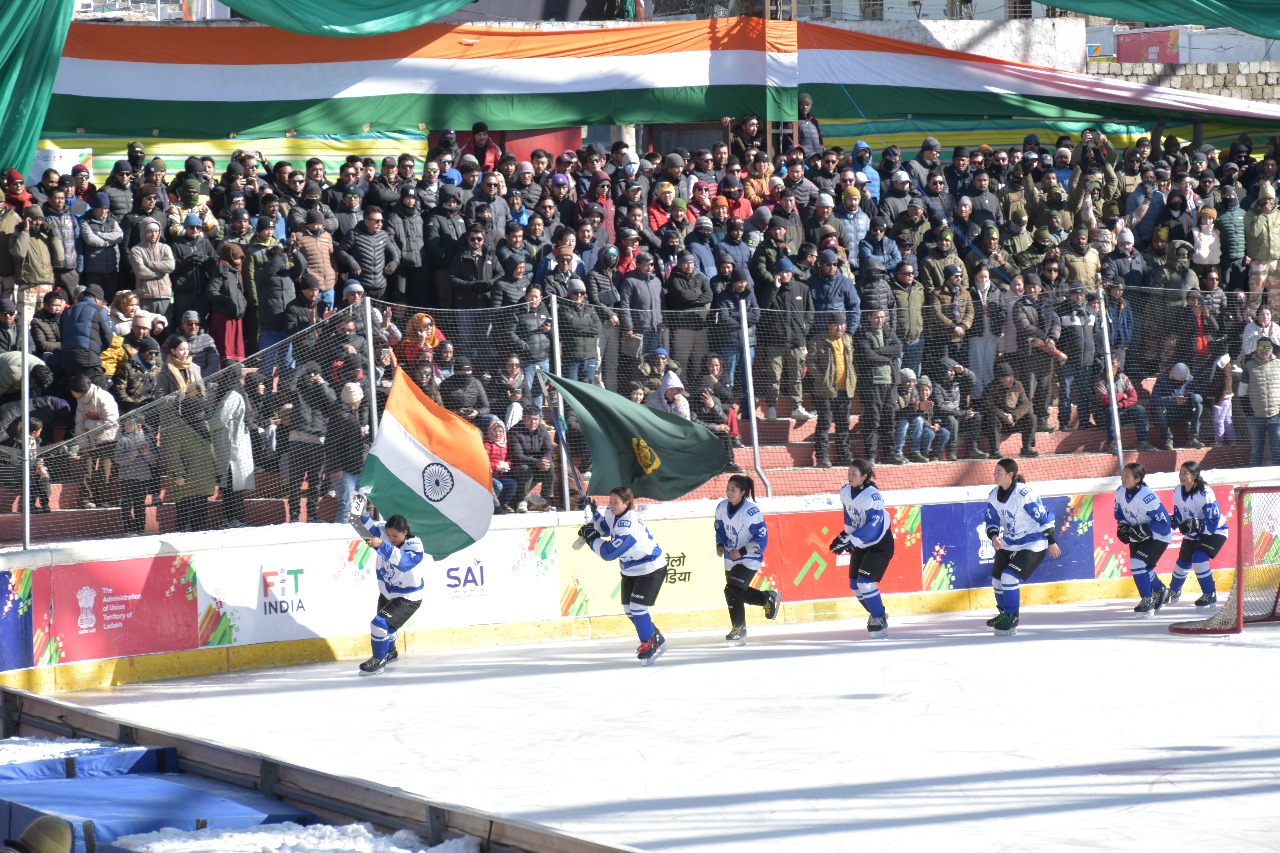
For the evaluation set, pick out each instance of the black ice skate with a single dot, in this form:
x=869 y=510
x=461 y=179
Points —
x=991 y=623
x=373 y=666
x=649 y=652
x=1174 y=596
x=737 y=637
x=1146 y=608
x=774 y=603
x=1207 y=600
x=1159 y=597
x=1006 y=625
x=878 y=627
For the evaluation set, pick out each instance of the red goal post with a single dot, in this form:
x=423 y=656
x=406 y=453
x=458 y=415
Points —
x=1255 y=593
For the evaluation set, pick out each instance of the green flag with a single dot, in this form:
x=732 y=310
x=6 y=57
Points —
x=657 y=454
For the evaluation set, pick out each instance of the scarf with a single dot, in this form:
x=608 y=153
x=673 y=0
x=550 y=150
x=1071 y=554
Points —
x=181 y=370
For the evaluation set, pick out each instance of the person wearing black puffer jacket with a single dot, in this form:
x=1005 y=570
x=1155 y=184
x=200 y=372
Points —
x=405 y=223
x=312 y=401
x=276 y=275
x=530 y=338
x=369 y=253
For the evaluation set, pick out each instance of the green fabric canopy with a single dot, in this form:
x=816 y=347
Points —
x=1258 y=17
x=345 y=17
x=36 y=31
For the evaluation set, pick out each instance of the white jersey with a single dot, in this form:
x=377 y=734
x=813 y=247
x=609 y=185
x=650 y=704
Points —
x=1143 y=507
x=1021 y=518
x=400 y=570
x=865 y=520
x=1201 y=505
x=742 y=528
x=627 y=540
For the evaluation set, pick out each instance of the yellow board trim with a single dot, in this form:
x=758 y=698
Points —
x=96 y=675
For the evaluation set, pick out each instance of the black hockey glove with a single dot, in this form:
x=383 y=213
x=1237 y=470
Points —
x=588 y=533
x=841 y=544
x=993 y=532
x=1124 y=533
x=1191 y=526
x=1139 y=533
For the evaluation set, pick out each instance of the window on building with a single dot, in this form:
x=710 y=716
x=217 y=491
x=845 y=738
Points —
x=1017 y=9
x=960 y=10
x=872 y=10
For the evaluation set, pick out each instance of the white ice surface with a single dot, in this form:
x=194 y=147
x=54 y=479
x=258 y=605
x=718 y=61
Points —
x=290 y=838
x=1089 y=730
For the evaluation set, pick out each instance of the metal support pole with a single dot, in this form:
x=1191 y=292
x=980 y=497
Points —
x=750 y=392
x=1111 y=386
x=369 y=374
x=24 y=334
x=556 y=369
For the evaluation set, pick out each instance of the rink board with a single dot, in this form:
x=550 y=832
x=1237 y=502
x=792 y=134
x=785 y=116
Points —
x=144 y=608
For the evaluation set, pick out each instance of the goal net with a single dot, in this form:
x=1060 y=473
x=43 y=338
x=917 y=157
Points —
x=1255 y=593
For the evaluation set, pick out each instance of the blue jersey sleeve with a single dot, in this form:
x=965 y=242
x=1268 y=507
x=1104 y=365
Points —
x=612 y=549
x=992 y=519
x=1039 y=514
x=1157 y=516
x=722 y=538
x=1115 y=510
x=759 y=536
x=871 y=530
x=374 y=528
x=1212 y=516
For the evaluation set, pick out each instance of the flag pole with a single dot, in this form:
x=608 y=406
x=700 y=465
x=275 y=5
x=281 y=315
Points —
x=565 y=464
x=564 y=443
x=370 y=377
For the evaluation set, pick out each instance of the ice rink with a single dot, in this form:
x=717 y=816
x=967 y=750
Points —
x=1089 y=730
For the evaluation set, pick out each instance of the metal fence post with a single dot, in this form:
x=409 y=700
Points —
x=556 y=369
x=750 y=392
x=1111 y=386
x=370 y=377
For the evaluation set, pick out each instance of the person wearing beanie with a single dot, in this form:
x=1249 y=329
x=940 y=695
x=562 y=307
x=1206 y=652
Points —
x=1006 y=409
x=927 y=161
x=786 y=320
x=959 y=173
x=35 y=251
x=190 y=200
x=46 y=834
x=824 y=217
x=1262 y=242
x=685 y=308
x=772 y=248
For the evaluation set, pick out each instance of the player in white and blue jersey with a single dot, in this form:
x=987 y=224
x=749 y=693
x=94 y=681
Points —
x=1204 y=531
x=619 y=534
x=741 y=537
x=1143 y=524
x=868 y=539
x=401 y=564
x=1021 y=529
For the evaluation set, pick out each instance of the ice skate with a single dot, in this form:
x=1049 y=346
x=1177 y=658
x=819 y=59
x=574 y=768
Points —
x=1207 y=600
x=1146 y=608
x=375 y=665
x=1158 y=598
x=773 y=605
x=650 y=651
x=878 y=627
x=991 y=623
x=1006 y=625
x=738 y=636
x=1174 y=596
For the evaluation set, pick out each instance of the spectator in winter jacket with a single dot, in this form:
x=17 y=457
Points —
x=134 y=383
x=97 y=422
x=36 y=251
x=1175 y=401
x=531 y=454
x=464 y=394
x=369 y=253
x=640 y=313
x=833 y=291
x=1131 y=411
x=685 y=308
x=580 y=329
x=405 y=223
x=1262 y=374
x=46 y=329
x=119 y=188
x=86 y=334
x=152 y=262
x=1080 y=326
x=1262 y=242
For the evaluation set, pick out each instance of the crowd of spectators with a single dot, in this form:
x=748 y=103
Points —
x=946 y=303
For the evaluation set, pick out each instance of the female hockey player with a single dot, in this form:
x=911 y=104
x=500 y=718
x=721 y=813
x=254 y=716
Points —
x=620 y=535
x=401 y=564
x=1204 y=531
x=868 y=539
x=1020 y=529
x=1143 y=525
x=741 y=538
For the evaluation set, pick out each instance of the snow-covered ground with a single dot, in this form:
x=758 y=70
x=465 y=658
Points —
x=1088 y=730
x=290 y=838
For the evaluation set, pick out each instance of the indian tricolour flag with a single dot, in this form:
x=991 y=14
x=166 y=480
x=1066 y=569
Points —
x=430 y=466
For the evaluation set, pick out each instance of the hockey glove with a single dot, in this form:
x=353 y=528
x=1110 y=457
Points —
x=588 y=533
x=841 y=544
x=1139 y=533
x=993 y=532
x=1191 y=526
x=1124 y=533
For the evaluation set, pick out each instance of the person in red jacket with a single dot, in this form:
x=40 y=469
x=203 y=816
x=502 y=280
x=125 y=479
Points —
x=1131 y=411
x=482 y=148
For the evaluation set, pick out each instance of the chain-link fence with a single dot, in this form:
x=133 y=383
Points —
x=796 y=378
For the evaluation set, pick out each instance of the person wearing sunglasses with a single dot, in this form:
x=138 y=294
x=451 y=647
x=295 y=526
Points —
x=369 y=253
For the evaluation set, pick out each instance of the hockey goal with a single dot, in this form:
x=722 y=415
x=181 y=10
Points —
x=1255 y=594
